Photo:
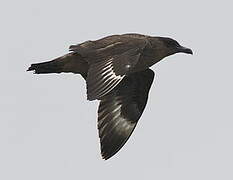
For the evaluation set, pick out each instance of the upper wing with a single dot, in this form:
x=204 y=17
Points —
x=120 y=110
x=110 y=44
x=88 y=48
x=109 y=59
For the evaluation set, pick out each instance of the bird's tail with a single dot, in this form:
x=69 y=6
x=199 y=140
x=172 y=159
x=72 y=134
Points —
x=68 y=63
x=45 y=67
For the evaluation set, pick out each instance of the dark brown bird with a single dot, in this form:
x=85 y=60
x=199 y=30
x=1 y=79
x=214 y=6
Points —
x=116 y=70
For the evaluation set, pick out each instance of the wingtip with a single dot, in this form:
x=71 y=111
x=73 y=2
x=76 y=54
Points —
x=72 y=48
x=107 y=153
x=105 y=156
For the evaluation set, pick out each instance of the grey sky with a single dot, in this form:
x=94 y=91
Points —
x=48 y=129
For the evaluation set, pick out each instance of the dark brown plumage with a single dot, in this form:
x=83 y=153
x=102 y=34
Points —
x=116 y=70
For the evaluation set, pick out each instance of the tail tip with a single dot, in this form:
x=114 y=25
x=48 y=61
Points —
x=31 y=68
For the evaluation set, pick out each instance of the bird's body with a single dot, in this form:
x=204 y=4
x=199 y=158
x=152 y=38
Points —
x=116 y=70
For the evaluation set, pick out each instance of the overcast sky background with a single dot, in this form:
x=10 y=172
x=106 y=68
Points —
x=48 y=129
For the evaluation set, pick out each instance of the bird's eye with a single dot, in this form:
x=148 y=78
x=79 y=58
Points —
x=173 y=43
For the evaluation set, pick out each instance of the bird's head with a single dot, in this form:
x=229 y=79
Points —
x=167 y=46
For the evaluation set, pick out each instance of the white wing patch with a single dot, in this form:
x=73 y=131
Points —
x=101 y=79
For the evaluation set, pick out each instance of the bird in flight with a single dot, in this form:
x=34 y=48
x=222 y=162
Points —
x=117 y=72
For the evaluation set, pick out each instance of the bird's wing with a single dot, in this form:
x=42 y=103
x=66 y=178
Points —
x=105 y=75
x=109 y=45
x=120 y=110
x=109 y=59
x=87 y=48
